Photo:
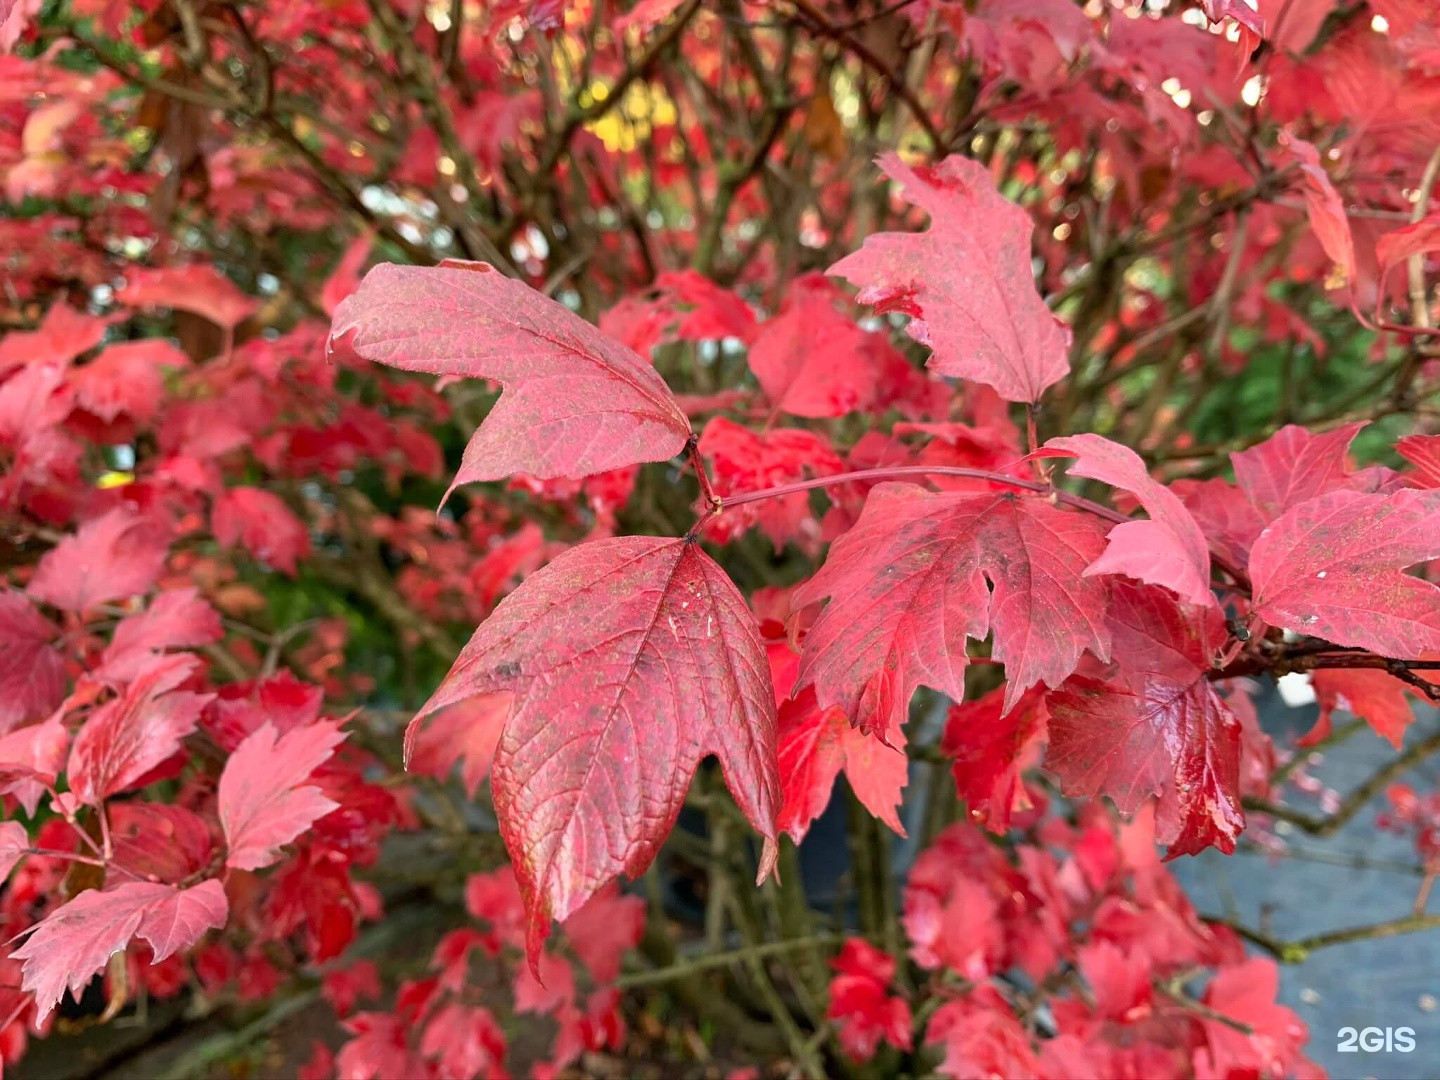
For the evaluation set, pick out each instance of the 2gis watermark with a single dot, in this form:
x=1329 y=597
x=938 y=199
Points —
x=1375 y=1040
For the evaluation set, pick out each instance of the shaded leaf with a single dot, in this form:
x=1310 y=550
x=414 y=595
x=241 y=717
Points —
x=1159 y=728
x=811 y=359
x=32 y=671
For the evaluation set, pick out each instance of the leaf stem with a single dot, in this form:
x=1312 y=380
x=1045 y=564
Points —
x=901 y=472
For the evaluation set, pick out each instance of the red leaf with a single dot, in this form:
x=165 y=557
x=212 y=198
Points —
x=1291 y=466
x=177 y=618
x=261 y=802
x=1168 y=549
x=126 y=379
x=30 y=759
x=814 y=745
x=604 y=929
x=32 y=671
x=263 y=523
x=345 y=278
x=1417 y=239
x=1382 y=700
x=177 y=921
x=1322 y=202
x=467 y=732
x=73 y=943
x=861 y=1005
x=14 y=842
x=110 y=557
x=63 y=335
x=1423 y=452
x=575 y=403
x=1294 y=465
x=159 y=841
x=992 y=750
x=812 y=360
x=1119 y=980
x=1330 y=567
x=907 y=586
x=1161 y=729
x=346 y=986
x=746 y=460
x=1247 y=993
x=128 y=737
x=981 y=1037
x=465 y=1041
x=201 y=290
x=628 y=660
x=966 y=283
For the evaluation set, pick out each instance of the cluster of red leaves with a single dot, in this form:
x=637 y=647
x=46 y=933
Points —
x=625 y=661
x=446 y=1024
x=1067 y=961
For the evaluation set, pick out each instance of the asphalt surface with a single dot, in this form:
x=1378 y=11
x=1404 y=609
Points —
x=1358 y=876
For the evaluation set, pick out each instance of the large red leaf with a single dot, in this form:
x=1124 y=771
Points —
x=1159 y=728
x=907 y=586
x=575 y=403
x=815 y=744
x=628 y=660
x=966 y=283
x=264 y=802
x=1329 y=567
x=128 y=737
x=1168 y=549
x=32 y=671
x=110 y=557
x=71 y=945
